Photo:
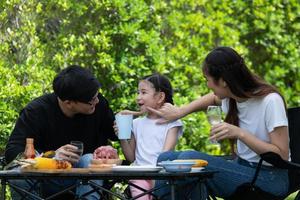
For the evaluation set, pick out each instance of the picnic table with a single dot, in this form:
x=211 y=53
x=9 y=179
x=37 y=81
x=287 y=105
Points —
x=86 y=176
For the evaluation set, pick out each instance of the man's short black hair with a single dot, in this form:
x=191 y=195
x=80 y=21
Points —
x=75 y=83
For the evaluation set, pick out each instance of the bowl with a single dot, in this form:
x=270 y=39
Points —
x=171 y=166
x=106 y=161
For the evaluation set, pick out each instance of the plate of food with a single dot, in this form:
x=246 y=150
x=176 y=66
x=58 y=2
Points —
x=197 y=169
x=106 y=161
x=143 y=168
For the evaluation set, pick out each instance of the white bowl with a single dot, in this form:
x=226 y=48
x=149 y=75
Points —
x=171 y=166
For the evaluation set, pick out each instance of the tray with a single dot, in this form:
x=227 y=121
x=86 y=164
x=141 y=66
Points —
x=53 y=171
x=145 y=168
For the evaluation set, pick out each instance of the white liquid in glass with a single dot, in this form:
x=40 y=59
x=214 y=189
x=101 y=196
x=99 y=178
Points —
x=214 y=119
x=214 y=115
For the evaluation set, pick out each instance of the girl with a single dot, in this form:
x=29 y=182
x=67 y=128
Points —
x=256 y=119
x=150 y=139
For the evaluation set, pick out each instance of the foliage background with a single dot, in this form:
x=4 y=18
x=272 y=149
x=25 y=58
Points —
x=121 y=41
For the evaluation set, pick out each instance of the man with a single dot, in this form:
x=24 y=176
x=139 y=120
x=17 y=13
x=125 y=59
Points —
x=75 y=111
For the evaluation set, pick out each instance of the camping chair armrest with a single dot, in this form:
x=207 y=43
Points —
x=277 y=161
x=2 y=162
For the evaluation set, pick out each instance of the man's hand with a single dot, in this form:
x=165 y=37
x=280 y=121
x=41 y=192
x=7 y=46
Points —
x=66 y=152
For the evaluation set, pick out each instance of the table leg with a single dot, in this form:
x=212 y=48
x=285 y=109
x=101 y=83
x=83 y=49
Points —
x=3 y=189
x=172 y=184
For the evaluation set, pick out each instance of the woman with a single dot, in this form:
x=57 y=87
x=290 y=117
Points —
x=255 y=118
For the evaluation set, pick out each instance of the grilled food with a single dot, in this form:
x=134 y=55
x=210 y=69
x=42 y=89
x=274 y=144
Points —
x=44 y=163
x=198 y=162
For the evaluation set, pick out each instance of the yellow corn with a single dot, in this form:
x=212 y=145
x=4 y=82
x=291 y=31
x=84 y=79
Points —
x=49 y=154
x=198 y=162
x=48 y=163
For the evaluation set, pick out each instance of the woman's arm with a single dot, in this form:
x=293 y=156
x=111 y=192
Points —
x=278 y=144
x=171 y=139
x=128 y=148
x=170 y=112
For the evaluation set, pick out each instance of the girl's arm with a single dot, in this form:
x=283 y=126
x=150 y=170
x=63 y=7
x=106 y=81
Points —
x=171 y=139
x=128 y=148
x=170 y=112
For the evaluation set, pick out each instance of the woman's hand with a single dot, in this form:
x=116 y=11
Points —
x=66 y=153
x=168 y=112
x=224 y=130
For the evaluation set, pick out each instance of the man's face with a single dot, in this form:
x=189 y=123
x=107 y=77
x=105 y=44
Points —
x=86 y=107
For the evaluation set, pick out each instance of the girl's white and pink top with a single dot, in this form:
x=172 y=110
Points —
x=150 y=139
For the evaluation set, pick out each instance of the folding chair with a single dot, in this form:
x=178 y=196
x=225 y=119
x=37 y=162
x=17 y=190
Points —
x=2 y=162
x=251 y=191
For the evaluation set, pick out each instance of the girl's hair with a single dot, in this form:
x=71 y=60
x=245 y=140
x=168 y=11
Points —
x=226 y=63
x=161 y=84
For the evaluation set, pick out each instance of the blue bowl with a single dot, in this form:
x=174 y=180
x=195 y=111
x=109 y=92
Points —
x=172 y=166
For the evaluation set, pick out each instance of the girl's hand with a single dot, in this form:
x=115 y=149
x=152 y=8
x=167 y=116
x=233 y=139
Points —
x=130 y=112
x=224 y=130
x=116 y=130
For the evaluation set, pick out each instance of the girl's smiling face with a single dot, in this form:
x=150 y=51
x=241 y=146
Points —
x=148 y=97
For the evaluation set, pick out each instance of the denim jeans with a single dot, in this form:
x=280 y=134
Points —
x=82 y=189
x=230 y=175
x=57 y=185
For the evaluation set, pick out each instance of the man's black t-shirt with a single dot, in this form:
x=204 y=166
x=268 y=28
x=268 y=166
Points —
x=43 y=120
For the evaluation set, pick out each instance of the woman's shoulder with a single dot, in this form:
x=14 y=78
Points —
x=272 y=97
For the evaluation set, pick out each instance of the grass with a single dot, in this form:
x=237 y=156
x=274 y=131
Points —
x=291 y=197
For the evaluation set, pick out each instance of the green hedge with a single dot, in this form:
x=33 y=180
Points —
x=121 y=41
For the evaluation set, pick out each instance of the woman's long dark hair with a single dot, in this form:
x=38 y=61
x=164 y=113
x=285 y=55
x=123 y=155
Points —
x=161 y=84
x=226 y=63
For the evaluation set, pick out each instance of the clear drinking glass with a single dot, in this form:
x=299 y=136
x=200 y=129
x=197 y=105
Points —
x=79 y=145
x=214 y=116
